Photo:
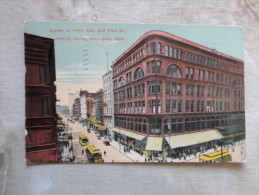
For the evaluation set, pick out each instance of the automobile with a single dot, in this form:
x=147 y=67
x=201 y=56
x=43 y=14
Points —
x=106 y=142
x=98 y=137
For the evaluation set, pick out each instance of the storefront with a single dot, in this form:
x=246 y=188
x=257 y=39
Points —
x=192 y=143
x=132 y=140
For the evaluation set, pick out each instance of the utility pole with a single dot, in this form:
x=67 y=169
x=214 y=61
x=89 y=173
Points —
x=107 y=61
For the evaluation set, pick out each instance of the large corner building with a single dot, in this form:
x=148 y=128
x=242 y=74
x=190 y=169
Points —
x=167 y=88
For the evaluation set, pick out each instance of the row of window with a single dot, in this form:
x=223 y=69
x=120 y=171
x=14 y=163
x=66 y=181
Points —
x=156 y=48
x=178 y=125
x=154 y=67
x=174 y=88
x=198 y=74
x=135 y=124
x=154 y=106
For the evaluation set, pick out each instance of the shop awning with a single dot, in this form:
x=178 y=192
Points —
x=193 y=138
x=129 y=134
x=101 y=128
x=154 y=143
x=95 y=122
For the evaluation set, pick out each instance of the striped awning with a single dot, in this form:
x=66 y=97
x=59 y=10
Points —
x=154 y=143
x=189 y=139
x=129 y=134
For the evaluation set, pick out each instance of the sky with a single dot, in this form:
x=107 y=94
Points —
x=83 y=50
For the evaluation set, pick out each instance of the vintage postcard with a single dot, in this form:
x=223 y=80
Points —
x=124 y=93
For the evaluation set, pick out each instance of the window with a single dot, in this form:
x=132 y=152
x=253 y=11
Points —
x=167 y=88
x=191 y=106
x=198 y=74
x=129 y=92
x=45 y=106
x=155 y=48
x=174 y=71
x=191 y=73
x=42 y=75
x=202 y=106
x=152 y=48
x=192 y=90
x=166 y=51
x=179 y=105
x=198 y=90
x=174 y=108
x=121 y=82
x=154 y=87
x=155 y=126
x=170 y=51
x=202 y=75
x=187 y=73
x=139 y=89
x=179 y=89
x=153 y=67
x=139 y=73
x=187 y=106
x=198 y=106
x=158 y=48
x=154 y=106
x=202 y=90
x=168 y=105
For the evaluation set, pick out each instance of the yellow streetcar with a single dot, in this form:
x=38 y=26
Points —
x=216 y=157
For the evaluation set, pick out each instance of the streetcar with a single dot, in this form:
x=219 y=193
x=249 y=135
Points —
x=216 y=157
x=93 y=154
x=83 y=139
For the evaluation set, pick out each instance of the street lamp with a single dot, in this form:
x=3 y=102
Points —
x=221 y=141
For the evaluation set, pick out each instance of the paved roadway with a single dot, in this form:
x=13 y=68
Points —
x=112 y=154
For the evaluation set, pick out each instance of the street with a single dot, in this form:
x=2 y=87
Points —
x=112 y=154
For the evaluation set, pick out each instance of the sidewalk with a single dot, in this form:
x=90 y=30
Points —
x=136 y=157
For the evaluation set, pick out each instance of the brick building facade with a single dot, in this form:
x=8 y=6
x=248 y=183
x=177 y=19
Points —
x=166 y=86
x=86 y=103
x=41 y=117
x=99 y=106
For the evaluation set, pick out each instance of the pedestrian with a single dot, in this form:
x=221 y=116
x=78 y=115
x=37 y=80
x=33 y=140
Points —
x=104 y=153
x=145 y=160
x=82 y=152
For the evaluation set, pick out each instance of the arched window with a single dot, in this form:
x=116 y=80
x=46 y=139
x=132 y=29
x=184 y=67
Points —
x=121 y=82
x=174 y=71
x=139 y=73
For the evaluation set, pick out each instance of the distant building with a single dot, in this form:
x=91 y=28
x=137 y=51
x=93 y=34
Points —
x=41 y=116
x=99 y=106
x=86 y=104
x=71 y=100
x=167 y=88
x=108 y=100
x=77 y=109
